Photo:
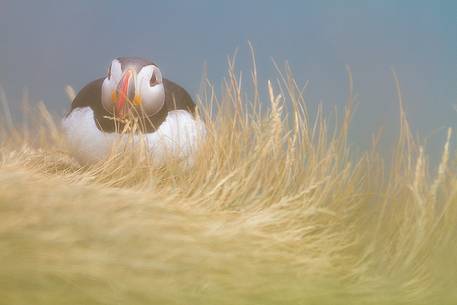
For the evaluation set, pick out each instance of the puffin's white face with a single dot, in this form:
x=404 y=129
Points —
x=139 y=91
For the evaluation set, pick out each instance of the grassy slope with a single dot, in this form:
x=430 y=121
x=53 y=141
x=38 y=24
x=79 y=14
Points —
x=273 y=212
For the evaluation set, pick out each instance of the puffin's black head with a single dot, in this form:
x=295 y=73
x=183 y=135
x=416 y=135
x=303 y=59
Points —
x=133 y=85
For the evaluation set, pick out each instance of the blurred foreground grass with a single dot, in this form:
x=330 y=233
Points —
x=275 y=211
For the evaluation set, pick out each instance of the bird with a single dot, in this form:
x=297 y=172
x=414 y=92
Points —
x=133 y=101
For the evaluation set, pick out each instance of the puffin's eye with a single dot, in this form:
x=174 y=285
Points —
x=153 y=80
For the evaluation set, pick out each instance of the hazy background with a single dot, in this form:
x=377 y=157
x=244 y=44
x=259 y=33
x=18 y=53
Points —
x=45 y=45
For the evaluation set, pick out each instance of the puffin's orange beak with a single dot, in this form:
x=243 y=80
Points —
x=123 y=89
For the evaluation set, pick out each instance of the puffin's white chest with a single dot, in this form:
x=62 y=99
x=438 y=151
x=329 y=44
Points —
x=178 y=136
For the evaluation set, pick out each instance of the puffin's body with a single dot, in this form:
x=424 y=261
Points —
x=133 y=90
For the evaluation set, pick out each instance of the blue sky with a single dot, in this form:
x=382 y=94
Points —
x=45 y=45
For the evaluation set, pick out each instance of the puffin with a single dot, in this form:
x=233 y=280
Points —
x=133 y=101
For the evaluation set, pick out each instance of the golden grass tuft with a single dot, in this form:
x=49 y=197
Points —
x=274 y=211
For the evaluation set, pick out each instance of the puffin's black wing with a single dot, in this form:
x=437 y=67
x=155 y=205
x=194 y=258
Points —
x=90 y=96
x=177 y=98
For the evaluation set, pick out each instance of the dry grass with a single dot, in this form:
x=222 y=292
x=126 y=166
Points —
x=275 y=211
